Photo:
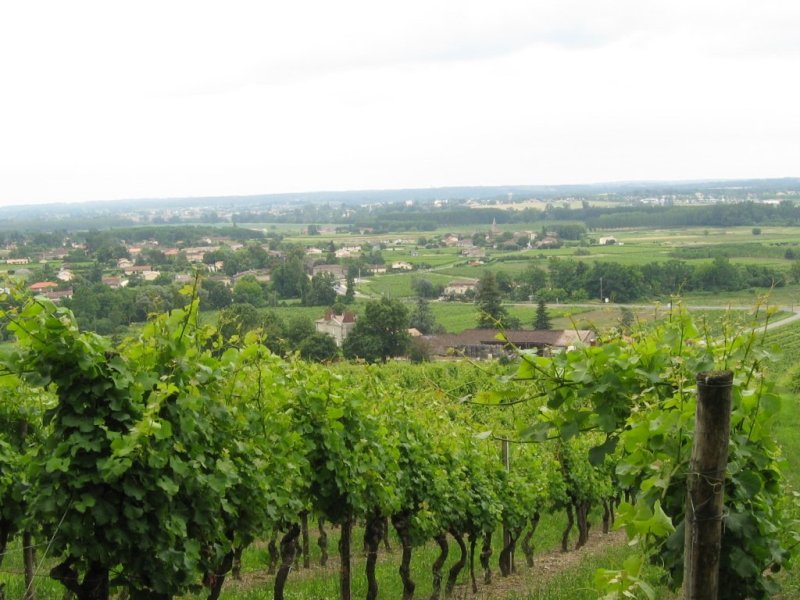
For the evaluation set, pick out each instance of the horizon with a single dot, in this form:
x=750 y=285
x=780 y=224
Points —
x=632 y=184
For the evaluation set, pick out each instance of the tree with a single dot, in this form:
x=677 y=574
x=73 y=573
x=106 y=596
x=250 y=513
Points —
x=320 y=291
x=425 y=288
x=626 y=319
x=318 y=347
x=218 y=295
x=419 y=350
x=529 y=282
x=504 y=282
x=298 y=329
x=618 y=282
x=237 y=319
x=274 y=333
x=721 y=274
x=381 y=332
x=564 y=274
x=794 y=271
x=491 y=313
x=350 y=292
x=248 y=291
x=422 y=318
x=289 y=278
x=542 y=320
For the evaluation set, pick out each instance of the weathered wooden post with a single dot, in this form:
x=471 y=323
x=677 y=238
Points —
x=506 y=558
x=705 y=486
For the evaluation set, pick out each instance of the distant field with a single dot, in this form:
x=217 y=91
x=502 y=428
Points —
x=398 y=285
x=785 y=296
x=458 y=316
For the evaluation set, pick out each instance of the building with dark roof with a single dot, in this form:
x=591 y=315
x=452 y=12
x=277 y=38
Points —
x=487 y=343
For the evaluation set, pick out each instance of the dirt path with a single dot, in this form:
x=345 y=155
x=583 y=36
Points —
x=547 y=566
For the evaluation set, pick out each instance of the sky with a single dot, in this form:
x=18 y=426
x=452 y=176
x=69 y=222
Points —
x=169 y=98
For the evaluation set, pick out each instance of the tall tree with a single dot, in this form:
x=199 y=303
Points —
x=491 y=313
x=422 y=318
x=350 y=291
x=289 y=278
x=542 y=320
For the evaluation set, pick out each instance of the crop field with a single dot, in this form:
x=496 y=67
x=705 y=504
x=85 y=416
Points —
x=398 y=285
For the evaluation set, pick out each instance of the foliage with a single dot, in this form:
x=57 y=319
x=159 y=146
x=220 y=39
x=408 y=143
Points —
x=248 y=290
x=641 y=397
x=422 y=318
x=491 y=313
x=380 y=332
x=318 y=347
x=141 y=466
x=320 y=291
x=542 y=319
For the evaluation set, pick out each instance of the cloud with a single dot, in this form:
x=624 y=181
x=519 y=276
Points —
x=242 y=97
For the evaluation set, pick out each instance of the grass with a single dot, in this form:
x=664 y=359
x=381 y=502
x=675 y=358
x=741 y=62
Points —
x=398 y=285
x=320 y=583
x=455 y=317
x=787 y=426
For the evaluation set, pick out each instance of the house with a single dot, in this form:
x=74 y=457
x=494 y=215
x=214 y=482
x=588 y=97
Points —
x=65 y=275
x=336 y=326
x=488 y=343
x=401 y=265
x=42 y=286
x=450 y=240
x=338 y=271
x=18 y=261
x=223 y=279
x=348 y=251
x=459 y=288
x=114 y=282
x=57 y=295
x=261 y=275
x=124 y=263
x=549 y=241
x=196 y=254
x=59 y=254
x=137 y=269
x=150 y=275
x=313 y=251
x=607 y=241
x=474 y=252
x=146 y=272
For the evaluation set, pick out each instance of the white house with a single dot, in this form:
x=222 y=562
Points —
x=459 y=288
x=336 y=326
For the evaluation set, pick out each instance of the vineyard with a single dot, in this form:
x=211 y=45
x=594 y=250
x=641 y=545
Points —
x=167 y=464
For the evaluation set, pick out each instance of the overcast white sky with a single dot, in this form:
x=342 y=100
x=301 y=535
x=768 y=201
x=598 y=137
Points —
x=105 y=100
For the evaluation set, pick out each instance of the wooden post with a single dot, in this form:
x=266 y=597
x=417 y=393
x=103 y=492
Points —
x=705 y=486
x=29 y=560
x=506 y=560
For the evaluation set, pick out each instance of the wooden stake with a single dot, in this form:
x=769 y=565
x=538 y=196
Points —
x=705 y=486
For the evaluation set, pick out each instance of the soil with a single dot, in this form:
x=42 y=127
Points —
x=546 y=566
